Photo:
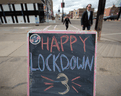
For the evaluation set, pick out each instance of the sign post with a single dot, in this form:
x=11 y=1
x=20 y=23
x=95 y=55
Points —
x=62 y=6
x=61 y=63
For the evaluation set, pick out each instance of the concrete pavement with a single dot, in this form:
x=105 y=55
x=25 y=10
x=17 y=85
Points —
x=13 y=60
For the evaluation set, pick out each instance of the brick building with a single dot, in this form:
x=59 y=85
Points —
x=77 y=14
x=95 y=14
x=107 y=12
x=111 y=11
x=71 y=14
x=80 y=12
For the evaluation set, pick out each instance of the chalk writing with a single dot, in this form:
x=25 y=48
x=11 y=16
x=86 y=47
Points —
x=75 y=78
x=65 y=83
x=62 y=64
x=74 y=88
x=54 y=42
x=70 y=64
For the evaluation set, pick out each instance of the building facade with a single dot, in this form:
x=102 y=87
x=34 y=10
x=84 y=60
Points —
x=95 y=14
x=111 y=11
x=71 y=14
x=23 y=11
x=114 y=10
x=80 y=12
x=107 y=12
x=77 y=14
x=49 y=6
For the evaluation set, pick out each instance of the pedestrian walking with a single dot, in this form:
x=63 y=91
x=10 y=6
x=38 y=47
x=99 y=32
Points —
x=87 y=18
x=67 y=21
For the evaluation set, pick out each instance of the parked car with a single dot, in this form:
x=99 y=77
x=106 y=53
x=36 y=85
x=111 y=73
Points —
x=113 y=17
x=94 y=17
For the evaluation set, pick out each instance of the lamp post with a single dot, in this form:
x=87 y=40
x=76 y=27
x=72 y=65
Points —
x=58 y=13
x=62 y=5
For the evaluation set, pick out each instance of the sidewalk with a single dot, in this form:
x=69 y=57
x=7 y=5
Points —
x=53 y=22
x=109 y=48
x=13 y=63
x=108 y=70
x=106 y=47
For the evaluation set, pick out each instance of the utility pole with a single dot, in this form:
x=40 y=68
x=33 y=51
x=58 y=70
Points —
x=119 y=13
x=62 y=5
x=99 y=20
x=58 y=13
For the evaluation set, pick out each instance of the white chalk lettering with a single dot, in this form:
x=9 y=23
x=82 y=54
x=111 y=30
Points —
x=31 y=64
x=46 y=62
x=54 y=63
x=43 y=63
x=73 y=63
x=61 y=61
x=87 y=63
x=81 y=65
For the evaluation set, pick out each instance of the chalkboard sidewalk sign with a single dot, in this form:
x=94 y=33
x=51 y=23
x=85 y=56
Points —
x=61 y=63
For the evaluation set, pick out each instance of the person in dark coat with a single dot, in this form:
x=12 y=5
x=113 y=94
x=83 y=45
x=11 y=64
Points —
x=87 y=18
x=67 y=21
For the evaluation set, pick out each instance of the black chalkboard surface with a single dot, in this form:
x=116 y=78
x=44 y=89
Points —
x=61 y=63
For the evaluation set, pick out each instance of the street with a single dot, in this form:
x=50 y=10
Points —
x=13 y=56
